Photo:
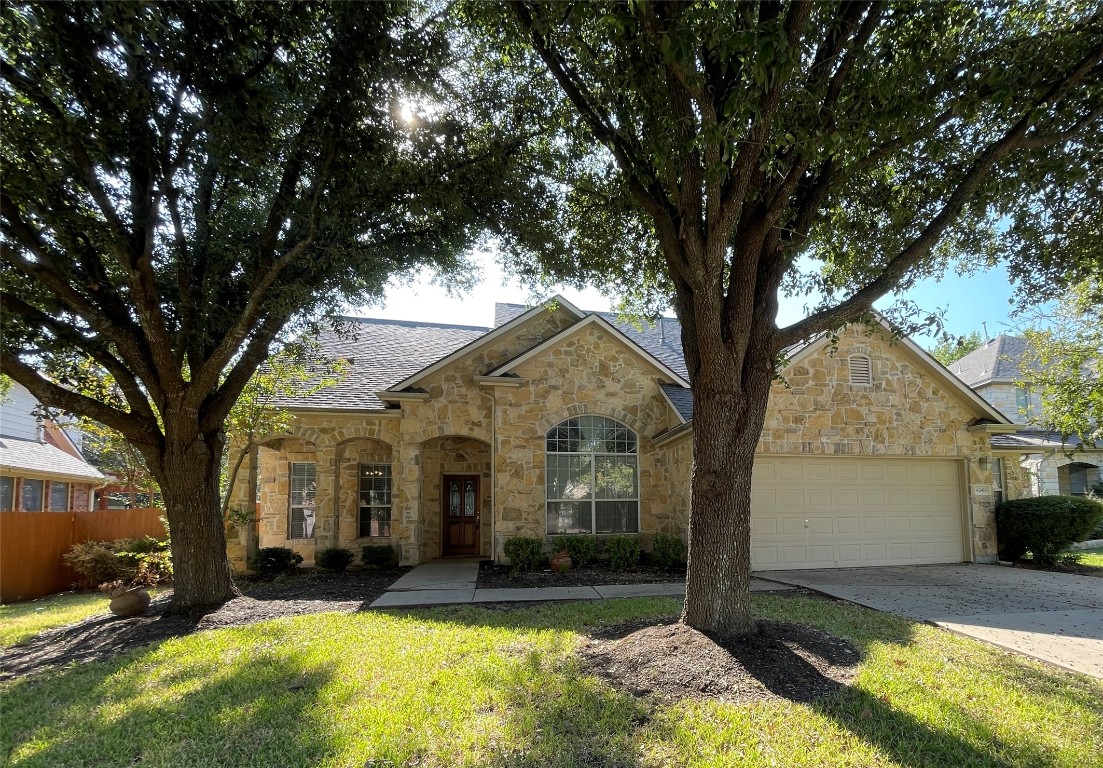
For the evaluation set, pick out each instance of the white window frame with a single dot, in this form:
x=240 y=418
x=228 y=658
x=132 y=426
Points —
x=50 y=496
x=859 y=378
x=388 y=478
x=308 y=520
x=593 y=498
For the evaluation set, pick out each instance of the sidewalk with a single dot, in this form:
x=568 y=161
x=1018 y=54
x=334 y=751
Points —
x=453 y=582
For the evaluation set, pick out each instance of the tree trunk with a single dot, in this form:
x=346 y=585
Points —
x=727 y=425
x=189 y=477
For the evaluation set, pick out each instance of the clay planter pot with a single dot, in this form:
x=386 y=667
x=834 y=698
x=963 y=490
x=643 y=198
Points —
x=560 y=562
x=130 y=602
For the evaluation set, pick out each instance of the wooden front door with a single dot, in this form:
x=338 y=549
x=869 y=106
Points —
x=460 y=498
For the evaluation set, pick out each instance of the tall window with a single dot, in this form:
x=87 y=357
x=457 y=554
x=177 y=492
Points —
x=1022 y=401
x=592 y=477
x=997 y=481
x=375 y=500
x=31 y=493
x=7 y=493
x=59 y=497
x=300 y=524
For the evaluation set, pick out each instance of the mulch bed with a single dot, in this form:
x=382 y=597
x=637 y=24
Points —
x=101 y=637
x=671 y=661
x=498 y=577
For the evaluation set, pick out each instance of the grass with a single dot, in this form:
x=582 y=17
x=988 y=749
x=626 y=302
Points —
x=469 y=686
x=1092 y=557
x=22 y=621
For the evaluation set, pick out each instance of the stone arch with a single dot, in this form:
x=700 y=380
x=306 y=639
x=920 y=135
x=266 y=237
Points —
x=462 y=429
x=592 y=409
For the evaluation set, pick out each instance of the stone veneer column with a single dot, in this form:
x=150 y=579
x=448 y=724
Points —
x=325 y=499
x=243 y=496
x=406 y=501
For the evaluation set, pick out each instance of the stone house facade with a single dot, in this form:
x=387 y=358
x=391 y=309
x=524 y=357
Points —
x=448 y=440
x=1031 y=461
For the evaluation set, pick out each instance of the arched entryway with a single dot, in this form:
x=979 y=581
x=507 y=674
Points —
x=455 y=497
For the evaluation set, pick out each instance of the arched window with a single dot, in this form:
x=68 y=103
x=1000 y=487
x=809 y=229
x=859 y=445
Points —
x=592 y=477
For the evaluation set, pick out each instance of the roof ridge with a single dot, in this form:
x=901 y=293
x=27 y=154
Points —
x=415 y=323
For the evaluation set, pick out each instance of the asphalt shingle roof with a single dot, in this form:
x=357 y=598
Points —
x=1039 y=440
x=42 y=458
x=998 y=360
x=682 y=399
x=382 y=353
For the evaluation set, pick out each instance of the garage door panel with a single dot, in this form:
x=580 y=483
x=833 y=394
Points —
x=847 y=512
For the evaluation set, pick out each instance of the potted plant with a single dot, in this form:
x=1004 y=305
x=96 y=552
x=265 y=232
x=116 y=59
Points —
x=560 y=562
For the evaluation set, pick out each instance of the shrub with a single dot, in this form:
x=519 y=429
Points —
x=668 y=551
x=334 y=559
x=524 y=553
x=582 y=549
x=1044 y=525
x=273 y=561
x=127 y=561
x=623 y=552
x=379 y=556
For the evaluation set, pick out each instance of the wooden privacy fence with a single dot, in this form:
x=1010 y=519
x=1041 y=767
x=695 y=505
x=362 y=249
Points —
x=32 y=543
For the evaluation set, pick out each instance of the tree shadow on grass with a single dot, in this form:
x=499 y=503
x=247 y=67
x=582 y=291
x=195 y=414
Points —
x=250 y=711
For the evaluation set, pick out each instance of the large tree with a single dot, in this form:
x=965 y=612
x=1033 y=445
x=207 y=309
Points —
x=184 y=182
x=715 y=143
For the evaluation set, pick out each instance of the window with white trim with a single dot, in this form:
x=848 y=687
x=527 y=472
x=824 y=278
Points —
x=375 y=500
x=59 y=497
x=7 y=493
x=30 y=493
x=860 y=371
x=303 y=490
x=592 y=477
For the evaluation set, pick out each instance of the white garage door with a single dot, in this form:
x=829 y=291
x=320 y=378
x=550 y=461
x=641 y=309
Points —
x=841 y=512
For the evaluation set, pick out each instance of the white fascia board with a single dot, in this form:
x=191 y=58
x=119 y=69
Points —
x=486 y=338
x=605 y=325
x=681 y=418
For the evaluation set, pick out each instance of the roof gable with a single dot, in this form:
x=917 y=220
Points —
x=601 y=322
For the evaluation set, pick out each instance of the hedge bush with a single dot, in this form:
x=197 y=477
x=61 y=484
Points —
x=524 y=553
x=623 y=552
x=582 y=549
x=273 y=561
x=136 y=561
x=379 y=556
x=1044 y=525
x=334 y=559
x=668 y=551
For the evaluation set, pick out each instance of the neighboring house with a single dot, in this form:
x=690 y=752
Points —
x=447 y=440
x=41 y=465
x=1031 y=461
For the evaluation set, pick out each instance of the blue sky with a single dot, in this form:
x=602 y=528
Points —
x=968 y=300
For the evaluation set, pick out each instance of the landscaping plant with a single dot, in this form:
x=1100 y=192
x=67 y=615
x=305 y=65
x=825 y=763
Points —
x=582 y=549
x=668 y=551
x=525 y=553
x=379 y=556
x=274 y=561
x=1045 y=526
x=334 y=559
x=623 y=552
x=145 y=561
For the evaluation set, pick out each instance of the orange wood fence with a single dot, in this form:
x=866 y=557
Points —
x=32 y=543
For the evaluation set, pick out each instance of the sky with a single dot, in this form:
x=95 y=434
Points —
x=968 y=301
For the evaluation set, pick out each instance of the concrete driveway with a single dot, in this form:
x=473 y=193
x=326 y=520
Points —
x=1056 y=617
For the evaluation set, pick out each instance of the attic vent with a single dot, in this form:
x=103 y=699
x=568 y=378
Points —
x=859 y=371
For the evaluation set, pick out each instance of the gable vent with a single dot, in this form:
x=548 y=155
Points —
x=860 y=375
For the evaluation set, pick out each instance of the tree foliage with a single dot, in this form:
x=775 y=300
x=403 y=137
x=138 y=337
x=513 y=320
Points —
x=700 y=148
x=185 y=183
x=1063 y=365
x=954 y=348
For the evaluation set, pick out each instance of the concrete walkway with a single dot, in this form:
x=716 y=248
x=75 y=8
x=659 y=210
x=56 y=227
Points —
x=452 y=582
x=1055 y=617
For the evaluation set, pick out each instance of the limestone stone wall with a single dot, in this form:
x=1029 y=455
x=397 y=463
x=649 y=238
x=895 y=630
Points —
x=1005 y=399
x=589 y=372
x=452 y=456
x=350 y=457
x=273 y=483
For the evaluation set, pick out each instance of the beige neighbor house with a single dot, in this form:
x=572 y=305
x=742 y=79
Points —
x=1031 y=461
x=448 y=440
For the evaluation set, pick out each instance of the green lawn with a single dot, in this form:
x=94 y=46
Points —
x=1092 y=557
x=22 y=621
x=467 y=686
